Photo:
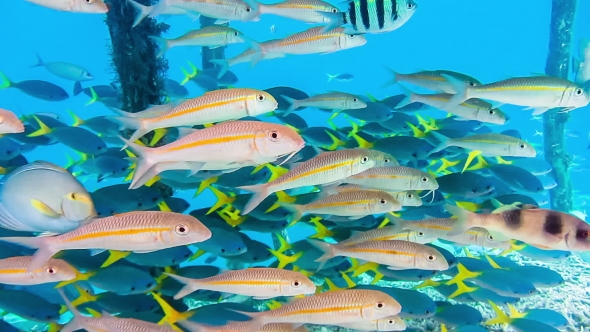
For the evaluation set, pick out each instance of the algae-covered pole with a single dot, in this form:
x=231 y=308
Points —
x=140 y=74
x=558 y=60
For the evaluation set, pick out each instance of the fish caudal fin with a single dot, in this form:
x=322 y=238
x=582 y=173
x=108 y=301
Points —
x=464 y=219
x=132 y=123
x=4 y=81
x=326 y=247
x=223 y=64
x=74 y=324
x=260 y=192
x=190 y=285
x=142 y=12
x=295 y=209
x=409 y=99
x=42 y=255
x=39 y=62
x=294 y=104
x=143 y=161
x=443 y=142
x=461 y=94
x=163 y=45
x=335 y=20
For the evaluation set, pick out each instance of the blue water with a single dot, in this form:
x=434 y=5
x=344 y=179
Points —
x=489 y=40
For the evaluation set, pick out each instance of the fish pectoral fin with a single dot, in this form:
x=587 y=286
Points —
x=497 y=236
x=44 y=208
x=540 y=110
x=94 y=252
x=396 y=268
x=145 y=251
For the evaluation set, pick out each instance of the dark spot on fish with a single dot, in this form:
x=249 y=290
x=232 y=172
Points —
x=132 y=288
x=222 y=250
x=149 y=284
x=139 y=204
x=255 y=258
x=553 y=224
x=414 y=155
x=427 y=312
x=100 y=148
x=582 y=234
x=239 y=248
x=488 y=187
x=512 y=218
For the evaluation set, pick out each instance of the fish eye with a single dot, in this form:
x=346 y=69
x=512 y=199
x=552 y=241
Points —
x=420 y=233
x=386 y=160
x=531 y=291
x=490 y=237
x=431 y=258
x=584 y=234
x=491 y=112
x=274 y=136
x=181 y=229
x=236 y=33
x=89 y=1
x=260 y=97
x=334 y=10
x=424 y=179
x=410 y=5
x=248 y=9
x=51 y=270
x=380 y=305
x=390 y=321
x=382 y=201
x=578 y=92
x=410 y=195
x=522 y=146
x=351 y=36
x=355 y=99
x=296 y=283
x=73 y=196
x=364 y=160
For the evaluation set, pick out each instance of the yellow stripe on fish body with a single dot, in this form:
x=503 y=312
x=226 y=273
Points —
x=259 y=283
x=328 y=308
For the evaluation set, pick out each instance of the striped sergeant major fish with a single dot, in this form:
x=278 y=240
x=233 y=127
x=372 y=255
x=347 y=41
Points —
x=372 y=16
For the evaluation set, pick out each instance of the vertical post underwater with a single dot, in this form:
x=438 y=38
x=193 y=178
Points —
x=139 y=73
x=558 y=65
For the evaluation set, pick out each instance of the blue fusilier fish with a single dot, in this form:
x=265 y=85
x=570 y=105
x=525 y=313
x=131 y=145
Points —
x=123 y=279
x=35 y=88
x=459 y=314
x=43 y=197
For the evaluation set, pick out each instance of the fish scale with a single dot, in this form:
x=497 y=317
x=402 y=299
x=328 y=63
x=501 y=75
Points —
x=302 y=10
x=122 y=324
x=312 y=40
x=212 y=107
x=353 y=203
x=328 y=167
x=238 y=142
x=259 y=282
x=347 y=306
x=13 y=271
x=398 y=178
x=393 y=253
x=134 y=231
